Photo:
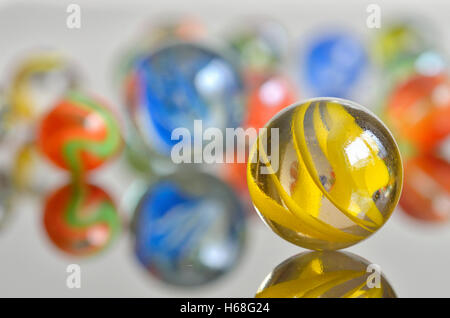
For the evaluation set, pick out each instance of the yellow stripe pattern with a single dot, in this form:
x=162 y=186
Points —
x=325 y=133
x=318 y=275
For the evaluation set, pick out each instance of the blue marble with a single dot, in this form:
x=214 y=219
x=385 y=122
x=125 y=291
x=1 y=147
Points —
x=189 y=229
x=333 y=64
x=183 y=82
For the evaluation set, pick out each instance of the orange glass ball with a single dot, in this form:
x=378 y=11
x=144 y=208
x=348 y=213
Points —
x=426 y=189
x=419 y=111
x=267 y=98
x=79 y=134
x=81 y=219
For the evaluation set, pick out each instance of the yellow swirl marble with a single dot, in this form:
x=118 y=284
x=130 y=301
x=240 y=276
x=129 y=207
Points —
x=40 y=80
x=332 y=178
x=325 y=275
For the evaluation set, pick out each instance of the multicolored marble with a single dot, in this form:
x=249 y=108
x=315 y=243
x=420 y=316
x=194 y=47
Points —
x=189 y=229
x=178 y=84
x=79 y=134
x=81 y=219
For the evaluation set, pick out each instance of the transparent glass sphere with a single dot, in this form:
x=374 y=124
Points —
x=188 y=228
x=326 y=275
x=325 y=174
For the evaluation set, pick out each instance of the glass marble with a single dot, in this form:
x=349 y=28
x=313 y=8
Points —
x=79 y=134
x=178 y=84
x=426 y=189
x=396 y=42
x=40 y=80
x=189 y=229
x=171 y=30
x=81 y=219
x=324 y=275
x=261 y=46
x=325 y=174
x=418 y=111
x=333 y=64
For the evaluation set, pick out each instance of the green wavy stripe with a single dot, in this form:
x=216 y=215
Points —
x=104 y=213
x=102 y=149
